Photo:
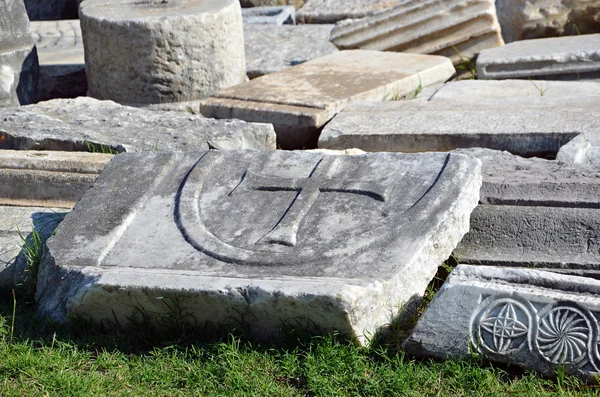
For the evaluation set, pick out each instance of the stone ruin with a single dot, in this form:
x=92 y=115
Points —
x=311 y=165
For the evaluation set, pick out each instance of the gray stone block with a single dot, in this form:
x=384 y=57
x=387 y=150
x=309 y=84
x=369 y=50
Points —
x=332 y=11
x=148 y=52
x=534 y=319
x=47 y=178
x=534 y=213
x=16 y=227
x=584 y=148
x=521 y=125
x=458 y=29
x=72 y=124
x=560 y=58
x=299 y=100
x=269 y=237
x=62 y=62
x=270 y=49
x=274 y=15
x=18 y=57
x=534 y=19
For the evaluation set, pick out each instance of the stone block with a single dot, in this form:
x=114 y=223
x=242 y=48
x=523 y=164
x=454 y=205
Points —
x=332 y=11
x=534 y=19
x=487 y=91
x=458 y=29
x=299 y=100
x=271 y=3
x=18 y=57
x=525 y=126
x=321 y=242
x=559 y=58
x=147 y=52
x=275 y=15
x=74 y=124
x=535 y=213
x=270 y=49
x=17 y=225
x=584 y=148
x=47 y=178
x=62 y=63
x=538 y=320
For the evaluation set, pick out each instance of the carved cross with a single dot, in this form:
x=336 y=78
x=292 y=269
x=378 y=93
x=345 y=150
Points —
x=307 y=191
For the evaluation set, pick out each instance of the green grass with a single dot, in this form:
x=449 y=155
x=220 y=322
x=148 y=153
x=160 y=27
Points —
x=82 y=361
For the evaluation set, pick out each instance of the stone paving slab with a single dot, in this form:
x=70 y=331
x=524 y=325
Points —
x=72 y=124
x=538 y=320
x=331 y=11
x=534 y=213
x=61 y=59
x=270 y=49
x=559 y=58
x=300 y=100
x=17 y=224
x=47 y=178
x=522 y=125
x=269 y=237
x=457 y=29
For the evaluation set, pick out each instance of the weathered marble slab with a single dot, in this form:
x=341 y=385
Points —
x=538 y=320
x=47 y=178
x=331 y=11
x=18 y=57
x=535 y=213
x=559 y=58
x=299 y=100
x=270 y=49
x=17 y=224
x=491 y=90
x=521 y=125
x=583 y=149
x=61 y=59
x=148 y=52
x=270 y=15
x=534 y=19
x=271 y=3
x=73 y=124
x=328 y=243
x=458 y=29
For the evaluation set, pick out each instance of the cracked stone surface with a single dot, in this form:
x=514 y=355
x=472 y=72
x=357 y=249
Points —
x=272 y=236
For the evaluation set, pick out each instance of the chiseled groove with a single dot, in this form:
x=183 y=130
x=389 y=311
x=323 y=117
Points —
x=397 y=25
x=472 y=44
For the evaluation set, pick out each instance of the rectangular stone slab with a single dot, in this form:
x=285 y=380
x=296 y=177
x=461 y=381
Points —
x=74 y=124
x=268 y=237
x=47 y=178
x=457 y=29
x=560 y=58
x=538 y=320
x=270 y=49
x=273 y=15
x=535 y=213
x=300 y=100
x=331 y=11
x=487 y=90
x=522 y=125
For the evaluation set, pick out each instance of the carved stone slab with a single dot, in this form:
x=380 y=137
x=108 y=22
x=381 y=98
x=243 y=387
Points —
x=534 y=213
x=331 y=11
x=458 y=29
x=268 y=237
x=299 y=100
x=269 y=15
x=557 y=58
x=535 y=319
